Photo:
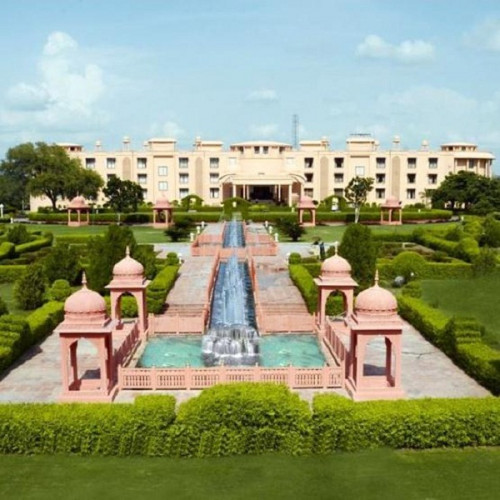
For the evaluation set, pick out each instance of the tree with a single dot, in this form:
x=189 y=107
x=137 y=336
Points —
x=359 y=248
x=410 y=265
x=491 y=232
x=467 y=190
x=46 y=170
x=180 y=229
x=62 y=263
x=123 y=196
x=356 y=193
x=104 y=252
x=29 y=289
x=291 y=228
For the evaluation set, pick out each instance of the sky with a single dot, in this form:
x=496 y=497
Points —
x=236 y=70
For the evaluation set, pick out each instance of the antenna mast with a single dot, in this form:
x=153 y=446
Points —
x=295 y=131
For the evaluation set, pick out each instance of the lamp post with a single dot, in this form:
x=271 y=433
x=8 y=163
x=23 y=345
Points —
x=1 y=210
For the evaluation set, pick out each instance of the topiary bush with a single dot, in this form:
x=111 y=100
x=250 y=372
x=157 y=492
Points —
x=410 y=265
x=59 y=291
x=157 y=290
x=304 y=282
x=294 y=258
x=29 y=289
x=172 y=259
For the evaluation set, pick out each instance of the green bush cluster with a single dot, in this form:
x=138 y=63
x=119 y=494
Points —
x=246 y=419
x=17 y=333
x=7 y=250
x=304 y=282
x=72 y=239
x=431 y=270
x=156 y=292
x=172 y=259
x=341 y=425
x=412 y=289
x=294 y=258
x=32 y=246
x=459 y=338
x=10 y=273
x=59 y=291
x=410 y=265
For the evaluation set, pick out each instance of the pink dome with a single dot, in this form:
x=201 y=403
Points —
x=306 y=202
x=335 y=266
x=84 y=306
x=376 y=300
x=163 y=204
x=78 y=202
x=128 y=268
x=392 y=201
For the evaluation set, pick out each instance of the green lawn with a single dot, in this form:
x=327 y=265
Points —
x=143 y=234
x=334 y=233
x=440 y=474
x=478 y=298
x=7 y=294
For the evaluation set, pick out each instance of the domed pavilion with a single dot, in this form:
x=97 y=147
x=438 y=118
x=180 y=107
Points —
x=80 y=206
x=85 y=318
x=389 y=207
x=375 y=316
x=306 y=204
x=162 y=213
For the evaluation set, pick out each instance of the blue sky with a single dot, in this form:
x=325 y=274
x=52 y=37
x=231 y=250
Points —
x=84 y=70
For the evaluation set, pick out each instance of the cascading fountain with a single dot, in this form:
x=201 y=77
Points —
x=232 y=338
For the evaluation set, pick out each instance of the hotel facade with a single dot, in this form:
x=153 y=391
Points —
x=265 y=170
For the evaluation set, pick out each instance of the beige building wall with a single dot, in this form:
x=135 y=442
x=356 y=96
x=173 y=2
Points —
x=274 y=170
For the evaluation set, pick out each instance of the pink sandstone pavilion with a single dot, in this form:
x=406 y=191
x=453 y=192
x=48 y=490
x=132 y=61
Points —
x=306 y=204
x=80 y=206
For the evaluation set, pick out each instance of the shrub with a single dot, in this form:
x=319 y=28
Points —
x=467 y=249
x=172 y=259
x=295 y=258
x=409 y=265
x=157 y=291
x=10 y=273
x=412 y=289
x=491 y=232
x=7 y=250
x=19 y=235
x=304 y=282
x=291 y=227
x=14 y=339
x=33 y=246
x=29 y=289
x=246 y=418
x=59 y=291
x=485 y=262
x=62 y=263
x=43 y=320
x=342 y=425
x=128 y=306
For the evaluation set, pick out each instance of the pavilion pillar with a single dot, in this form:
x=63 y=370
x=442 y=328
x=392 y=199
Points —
x=289 y=195
x=234 y=190
x=388 y=358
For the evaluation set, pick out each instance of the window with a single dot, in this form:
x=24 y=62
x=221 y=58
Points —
x=162 y=171
x=256 y=150
x=380 y=162
x=214 y=193
x=339 y=162
x=110 y=162
x=412 y=163
x=90 y=163
x=472 y=164
x=309 y=177
x=308 y=192
x=214 y=178
x=338 y=178
x=410 y=194
x=432 y=179
x=360 y=171
x=380 y=193
x=308 y=162
x=214 y=162
x=142 y=178
x=183 y=192
x=380 y=178
x=411 y=178
x=433 y=162
x=265 y=150
x=183 y=178
x=142 y=163
x=163 y=186
x=183 y=162
x=338 y=192
x=232 y=162
x=145 y=193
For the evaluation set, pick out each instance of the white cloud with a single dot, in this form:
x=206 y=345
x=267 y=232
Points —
x=407 y=52
x=485 y=36
x=262 y=95
x=173 y=129
x=266 y=131
x=66 y=95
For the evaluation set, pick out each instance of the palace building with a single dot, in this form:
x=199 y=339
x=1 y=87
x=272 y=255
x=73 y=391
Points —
x=267 y=170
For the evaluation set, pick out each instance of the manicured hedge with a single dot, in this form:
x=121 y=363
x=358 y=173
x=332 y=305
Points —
x=340 y=424
x=73 y=239
x=430 y=270
x=7 y=250
x=459 y=338
x=9 y=273
x=43 y=320
x=32 y=246
x=156 y=292
x=304 y=282
x=87 y=429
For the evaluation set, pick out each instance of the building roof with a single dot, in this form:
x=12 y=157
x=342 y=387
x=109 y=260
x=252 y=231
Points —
x=391 y=202
x=78 y=202
x=335 y=266
x=162 y=139
x=163 y=204
x=84 y=306
x=376 y=301
x=261 y=143
x=128 y=269
x=306 y=202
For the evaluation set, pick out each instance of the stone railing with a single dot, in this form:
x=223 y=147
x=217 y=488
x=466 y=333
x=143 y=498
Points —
x=200 y=378
x=128 y=346
x=334 y=343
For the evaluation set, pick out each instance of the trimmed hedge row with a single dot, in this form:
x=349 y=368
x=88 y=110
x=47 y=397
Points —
x=459 y=338
x=304 y=282
x=157 y=290
x=7 y=250
x=340 y=424
x=33 y=246
x=429 y=270
x=73 y=239
x=17 y=333
x=246 y=418
x=10 y=273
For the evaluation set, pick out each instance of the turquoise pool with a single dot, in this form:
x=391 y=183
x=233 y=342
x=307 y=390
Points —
x=301 y=350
